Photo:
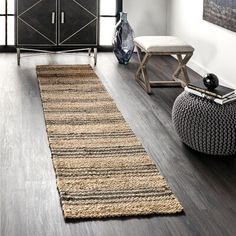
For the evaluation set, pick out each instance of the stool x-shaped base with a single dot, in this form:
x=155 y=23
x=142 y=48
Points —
x=162 y=45
x=142 y=76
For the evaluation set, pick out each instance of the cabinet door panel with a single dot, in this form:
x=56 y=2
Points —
x=78 y=26
x=36 y=22
x=24 y=5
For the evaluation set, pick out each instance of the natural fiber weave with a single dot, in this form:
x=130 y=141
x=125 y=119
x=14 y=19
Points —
x=102 y=170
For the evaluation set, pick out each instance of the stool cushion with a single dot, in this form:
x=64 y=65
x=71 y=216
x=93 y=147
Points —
x=165 y=44
x=204 y=125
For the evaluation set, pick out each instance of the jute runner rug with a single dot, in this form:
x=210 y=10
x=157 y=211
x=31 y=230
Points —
x=102 y=169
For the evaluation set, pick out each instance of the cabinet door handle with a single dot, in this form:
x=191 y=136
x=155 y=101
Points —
x=53 y=17
x=62 y=17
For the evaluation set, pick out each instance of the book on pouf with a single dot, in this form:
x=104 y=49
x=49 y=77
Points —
x=222 y=101
x=219 y=92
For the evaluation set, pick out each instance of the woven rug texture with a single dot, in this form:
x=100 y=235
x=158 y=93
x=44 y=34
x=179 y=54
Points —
x=101 y=168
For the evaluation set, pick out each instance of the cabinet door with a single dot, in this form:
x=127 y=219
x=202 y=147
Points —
x=77 y=23
x=36 y=23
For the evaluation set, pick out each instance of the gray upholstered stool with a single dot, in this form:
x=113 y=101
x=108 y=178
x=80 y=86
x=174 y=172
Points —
x=162 y=45
x=205 y=126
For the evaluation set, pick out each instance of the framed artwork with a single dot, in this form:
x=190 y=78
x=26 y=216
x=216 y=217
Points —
x=220 y=12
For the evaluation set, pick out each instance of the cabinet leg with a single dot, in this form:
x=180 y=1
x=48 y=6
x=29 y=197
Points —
x=18 y=56
x=89 y=52
x=95 y=56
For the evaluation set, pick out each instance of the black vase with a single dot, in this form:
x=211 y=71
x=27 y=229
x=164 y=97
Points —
x=123 y=40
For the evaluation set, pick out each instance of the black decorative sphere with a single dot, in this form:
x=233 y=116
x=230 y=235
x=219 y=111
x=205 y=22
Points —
x=211 y=81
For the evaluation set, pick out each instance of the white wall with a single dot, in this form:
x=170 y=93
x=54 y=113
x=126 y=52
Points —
x=147 y=17
x=215 y=47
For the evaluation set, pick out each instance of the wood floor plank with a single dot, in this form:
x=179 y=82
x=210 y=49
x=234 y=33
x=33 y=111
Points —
x=29 y=201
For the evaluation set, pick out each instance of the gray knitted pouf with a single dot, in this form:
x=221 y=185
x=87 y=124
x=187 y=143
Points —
x=204 y=125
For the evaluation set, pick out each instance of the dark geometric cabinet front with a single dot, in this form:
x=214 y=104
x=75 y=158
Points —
x=80 y=22
x=56 y=23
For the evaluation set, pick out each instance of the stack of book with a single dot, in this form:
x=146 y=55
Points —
x=221 y=94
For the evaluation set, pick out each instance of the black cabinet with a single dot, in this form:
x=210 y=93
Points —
x=78 y=22
x=56 y=24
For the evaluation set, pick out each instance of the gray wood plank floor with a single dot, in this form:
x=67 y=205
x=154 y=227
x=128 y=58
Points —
x=29 y=201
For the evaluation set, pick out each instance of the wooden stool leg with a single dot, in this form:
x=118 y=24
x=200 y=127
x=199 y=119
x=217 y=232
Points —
x=141 y=74
x=139 y=53
x=182 y=67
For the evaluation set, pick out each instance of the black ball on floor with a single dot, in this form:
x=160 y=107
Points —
x=211 y=81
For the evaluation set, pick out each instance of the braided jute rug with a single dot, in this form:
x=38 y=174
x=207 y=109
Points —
x=101 y=168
